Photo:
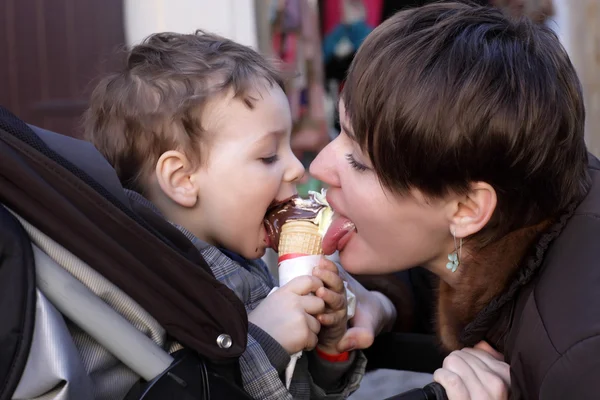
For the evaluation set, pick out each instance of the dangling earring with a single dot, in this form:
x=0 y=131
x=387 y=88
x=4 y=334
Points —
x=455 y=256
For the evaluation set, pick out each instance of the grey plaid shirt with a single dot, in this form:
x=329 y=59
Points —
x=264 y=361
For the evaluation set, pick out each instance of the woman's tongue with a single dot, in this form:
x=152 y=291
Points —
x=339 y=228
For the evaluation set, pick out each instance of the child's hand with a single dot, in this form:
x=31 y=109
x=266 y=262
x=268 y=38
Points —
x=287 y=314
x=335 y=318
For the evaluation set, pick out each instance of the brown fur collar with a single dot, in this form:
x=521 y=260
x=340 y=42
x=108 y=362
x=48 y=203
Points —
x=482 y=277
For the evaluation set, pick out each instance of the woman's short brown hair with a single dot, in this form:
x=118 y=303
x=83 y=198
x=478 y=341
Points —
x=448 y=94
x=154 y=103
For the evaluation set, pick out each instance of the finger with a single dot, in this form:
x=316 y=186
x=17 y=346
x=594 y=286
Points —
x=334 y=301
x=473 y=360
x=454 y=385
x=311 y=342
x=332 y=318
x=485 y=357
x=328 y=265
x=313 y=324
x=356 y=338
x=495 y=366
x=456 y=363
x=496 y=384
x=330 y=279
x=303 y=285
x=312 y=305
x=485 y=346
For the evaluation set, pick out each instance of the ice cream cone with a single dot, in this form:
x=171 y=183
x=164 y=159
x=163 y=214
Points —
x=300 y=237
x=300 y=250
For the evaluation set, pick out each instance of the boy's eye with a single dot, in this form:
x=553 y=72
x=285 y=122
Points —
x=270 y=160
x=355 y=164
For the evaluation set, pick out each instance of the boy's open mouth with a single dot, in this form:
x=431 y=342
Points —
x=295 y=208
x=274 y=219
x=278 y=203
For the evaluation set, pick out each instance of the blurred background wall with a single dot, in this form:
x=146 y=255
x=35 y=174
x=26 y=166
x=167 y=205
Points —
x=577 y=23
x=53 y=49
x=234 y=19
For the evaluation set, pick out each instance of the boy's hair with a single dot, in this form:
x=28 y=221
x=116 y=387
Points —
x=448 y=94
x=154 y=104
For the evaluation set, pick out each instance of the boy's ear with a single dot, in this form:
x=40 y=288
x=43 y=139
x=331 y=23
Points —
x=174 y=175
x=471 y=213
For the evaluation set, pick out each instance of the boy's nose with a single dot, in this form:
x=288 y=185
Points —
x=295 y=170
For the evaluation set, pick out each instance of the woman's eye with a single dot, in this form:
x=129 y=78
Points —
x=270 y=160
x=355 y=164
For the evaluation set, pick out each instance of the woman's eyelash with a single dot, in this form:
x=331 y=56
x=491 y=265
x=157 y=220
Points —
x=355 y=164
x=270 y=160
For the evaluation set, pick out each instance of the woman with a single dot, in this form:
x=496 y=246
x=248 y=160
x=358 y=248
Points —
x=462 y=151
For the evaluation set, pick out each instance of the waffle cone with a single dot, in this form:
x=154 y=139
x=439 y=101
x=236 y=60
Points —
x=300 y=237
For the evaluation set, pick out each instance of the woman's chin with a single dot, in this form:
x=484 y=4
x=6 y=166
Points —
x=350 y=259
x=358 y=259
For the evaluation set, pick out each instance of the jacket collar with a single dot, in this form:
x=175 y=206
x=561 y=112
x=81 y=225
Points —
x=480 y=305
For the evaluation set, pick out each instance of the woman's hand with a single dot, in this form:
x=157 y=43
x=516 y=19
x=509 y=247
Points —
x=475 y=373
x=374 y=314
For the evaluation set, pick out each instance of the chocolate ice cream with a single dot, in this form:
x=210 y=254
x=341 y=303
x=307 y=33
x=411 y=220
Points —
x=314 y=209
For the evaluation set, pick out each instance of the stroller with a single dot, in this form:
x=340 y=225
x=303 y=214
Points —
x=100 y=298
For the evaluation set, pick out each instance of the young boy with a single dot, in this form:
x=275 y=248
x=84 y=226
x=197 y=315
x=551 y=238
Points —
x=198 y=128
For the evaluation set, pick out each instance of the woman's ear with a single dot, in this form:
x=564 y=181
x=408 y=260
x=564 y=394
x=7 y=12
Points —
x=474 y=210
x=174 y=174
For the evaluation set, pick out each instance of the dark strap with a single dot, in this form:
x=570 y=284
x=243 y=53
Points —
x=433 y=391
x=189 y=378
x=17 y=302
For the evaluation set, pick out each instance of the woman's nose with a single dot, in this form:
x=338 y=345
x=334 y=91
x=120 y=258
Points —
x=323 y=166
